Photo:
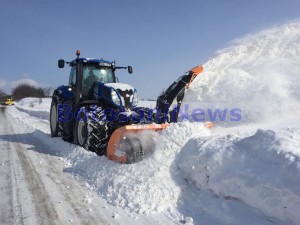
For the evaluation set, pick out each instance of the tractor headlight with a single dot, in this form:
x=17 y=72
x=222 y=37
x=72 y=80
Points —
x=135 y=99
x=115 y=97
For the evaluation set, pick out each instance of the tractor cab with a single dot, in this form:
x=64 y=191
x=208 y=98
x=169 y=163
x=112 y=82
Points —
x=91 y=71
x=89 y=75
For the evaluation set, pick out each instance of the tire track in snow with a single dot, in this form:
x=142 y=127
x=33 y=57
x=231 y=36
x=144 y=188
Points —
x=45 y=211
x=51 y=202
x=11 y=208
x=6 y=185
x=25 y=180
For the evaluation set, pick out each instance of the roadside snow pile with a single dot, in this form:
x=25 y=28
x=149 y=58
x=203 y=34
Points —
x=255 y=171
x=37 y=107
x=32 y=104
x=144 y=187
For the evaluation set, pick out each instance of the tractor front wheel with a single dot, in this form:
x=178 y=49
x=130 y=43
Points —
x=81 y=133
x=54 y=119
x=81 y=128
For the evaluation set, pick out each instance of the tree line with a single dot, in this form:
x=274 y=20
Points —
x=26 y=90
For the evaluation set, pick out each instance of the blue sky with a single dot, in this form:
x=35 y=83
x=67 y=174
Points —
x=161 y=39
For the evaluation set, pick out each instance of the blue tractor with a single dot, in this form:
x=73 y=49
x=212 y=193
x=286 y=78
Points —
x=93 y=104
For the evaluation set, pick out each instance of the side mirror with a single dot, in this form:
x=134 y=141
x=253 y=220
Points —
x=61 y=63
x=130 y=70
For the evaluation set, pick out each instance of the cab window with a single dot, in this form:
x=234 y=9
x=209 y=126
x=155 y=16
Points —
x=72 y=80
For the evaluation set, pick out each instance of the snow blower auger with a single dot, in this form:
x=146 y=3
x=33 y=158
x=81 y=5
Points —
x=101 y=115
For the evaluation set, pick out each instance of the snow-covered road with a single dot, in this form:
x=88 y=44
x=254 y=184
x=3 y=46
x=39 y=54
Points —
x=35 y=188
x=25 y=198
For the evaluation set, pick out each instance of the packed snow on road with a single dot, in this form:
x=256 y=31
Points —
x=244 y=170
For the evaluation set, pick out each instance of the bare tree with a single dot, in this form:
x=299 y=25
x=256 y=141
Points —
x=27 y=90
x=2 y=93
x=48 y=91
x=2 y=96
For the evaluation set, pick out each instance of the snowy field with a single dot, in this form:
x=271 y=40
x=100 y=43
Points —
x=239 y=172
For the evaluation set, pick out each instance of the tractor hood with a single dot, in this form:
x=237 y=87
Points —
x=127 y=93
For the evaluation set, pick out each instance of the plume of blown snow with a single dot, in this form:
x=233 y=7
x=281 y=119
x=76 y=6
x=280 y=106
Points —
x=258 y=74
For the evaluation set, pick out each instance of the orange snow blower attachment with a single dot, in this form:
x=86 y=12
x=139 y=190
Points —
x=124 y=145
x=195 y=71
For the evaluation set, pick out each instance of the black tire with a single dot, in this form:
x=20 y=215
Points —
x=81 y=128
x=54 y=125
x=81 y=133
x=102 y=123
x=100 y=130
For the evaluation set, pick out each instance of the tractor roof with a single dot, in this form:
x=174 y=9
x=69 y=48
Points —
x=94 y=60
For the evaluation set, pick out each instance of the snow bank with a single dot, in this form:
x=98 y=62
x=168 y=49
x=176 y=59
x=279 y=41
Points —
x=37 y=107
x=144 y=187
x=35 y=104
x=254 y=170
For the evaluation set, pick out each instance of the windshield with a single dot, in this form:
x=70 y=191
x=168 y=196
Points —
x=99 y=73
